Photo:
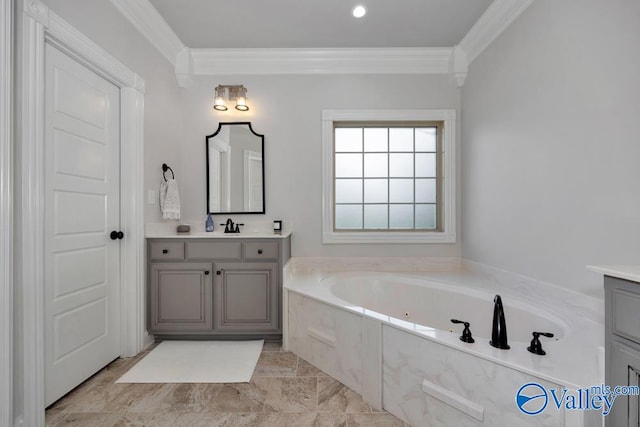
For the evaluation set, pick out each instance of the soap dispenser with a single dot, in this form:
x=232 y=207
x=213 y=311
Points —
x=209 y=223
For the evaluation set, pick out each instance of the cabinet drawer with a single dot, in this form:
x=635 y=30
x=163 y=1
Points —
x=266 y=250
x=166 y=250
x=217 y=250
x=626 y=314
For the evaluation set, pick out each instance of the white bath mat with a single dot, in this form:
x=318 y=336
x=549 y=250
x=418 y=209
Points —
x=197 y=362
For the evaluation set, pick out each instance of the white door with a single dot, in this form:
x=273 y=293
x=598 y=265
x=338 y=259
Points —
x=82 y=207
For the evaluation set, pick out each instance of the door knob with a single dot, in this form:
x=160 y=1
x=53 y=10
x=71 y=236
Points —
x=116 y=235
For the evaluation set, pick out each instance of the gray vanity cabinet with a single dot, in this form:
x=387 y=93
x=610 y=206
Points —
x=622 y=356
x=216 y=287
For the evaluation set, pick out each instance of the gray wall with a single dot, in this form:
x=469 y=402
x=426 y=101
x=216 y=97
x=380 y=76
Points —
x=551 y=117
x=102 y=22
x=287 y=110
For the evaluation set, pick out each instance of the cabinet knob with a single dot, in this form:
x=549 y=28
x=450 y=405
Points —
x=259 y=251
x=165 y=251
x=218 y=272
x=206 y=272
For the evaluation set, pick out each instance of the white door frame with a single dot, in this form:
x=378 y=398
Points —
x=41 y=25
x=6 y=213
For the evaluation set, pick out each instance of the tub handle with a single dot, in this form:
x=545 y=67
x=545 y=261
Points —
x=322 y=337
x=536 y=345
x=466 y=332
x=454 y=400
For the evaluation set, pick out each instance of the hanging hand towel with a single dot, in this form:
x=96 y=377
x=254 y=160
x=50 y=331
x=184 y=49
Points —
x=169 y=199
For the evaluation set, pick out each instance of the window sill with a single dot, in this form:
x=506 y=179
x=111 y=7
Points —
x=388 y=237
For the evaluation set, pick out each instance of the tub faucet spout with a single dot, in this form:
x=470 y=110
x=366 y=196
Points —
x=499 y=329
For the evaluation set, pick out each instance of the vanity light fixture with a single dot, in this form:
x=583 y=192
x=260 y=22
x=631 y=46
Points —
x=241 y=99
x=236 y=93
x=218 y=101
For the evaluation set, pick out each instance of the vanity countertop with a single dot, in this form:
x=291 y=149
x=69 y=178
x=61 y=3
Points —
x=217 y=235
x=627 y=272
x=253 y=230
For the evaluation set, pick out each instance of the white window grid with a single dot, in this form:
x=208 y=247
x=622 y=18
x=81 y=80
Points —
x=437 y=151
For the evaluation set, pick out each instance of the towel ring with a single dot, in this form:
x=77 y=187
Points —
x=164 y=171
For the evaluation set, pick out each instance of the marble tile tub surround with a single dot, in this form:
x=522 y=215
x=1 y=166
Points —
x=561 y=300
x=253 y=228
x=576 y=360
x=459 y=271
x=321 y=266
x=409 y=360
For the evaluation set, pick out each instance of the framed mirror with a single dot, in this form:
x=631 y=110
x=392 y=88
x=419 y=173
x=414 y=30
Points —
x=235 y=170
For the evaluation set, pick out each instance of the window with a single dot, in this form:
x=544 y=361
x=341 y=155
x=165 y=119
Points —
x=388 y=176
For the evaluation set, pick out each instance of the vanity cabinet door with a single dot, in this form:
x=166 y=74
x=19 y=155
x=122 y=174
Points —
x=622 y=340
x=625 y=370
x=180 y=297
x=246 y=297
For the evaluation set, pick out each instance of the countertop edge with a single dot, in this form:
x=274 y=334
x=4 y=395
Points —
x=205 y=235
x=627 y=272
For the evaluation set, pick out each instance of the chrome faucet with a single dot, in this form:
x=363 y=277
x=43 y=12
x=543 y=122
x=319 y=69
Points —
x=499 y=329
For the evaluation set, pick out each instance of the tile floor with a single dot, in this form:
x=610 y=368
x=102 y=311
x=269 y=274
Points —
x=285 y=390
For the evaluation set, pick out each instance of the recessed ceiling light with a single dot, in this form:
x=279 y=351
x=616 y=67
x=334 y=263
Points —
x=359 y=11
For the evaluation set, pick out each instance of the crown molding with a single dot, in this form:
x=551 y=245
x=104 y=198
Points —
x=146 y=19
x=441 y=60
x=459 y=65
x=321 y=61
x=184 y=68
x=498 y=16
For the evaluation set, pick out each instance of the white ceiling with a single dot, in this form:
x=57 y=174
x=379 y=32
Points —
x=319 y=23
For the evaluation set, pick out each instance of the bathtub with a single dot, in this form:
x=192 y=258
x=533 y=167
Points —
x=389 y=337
x=425 y=302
